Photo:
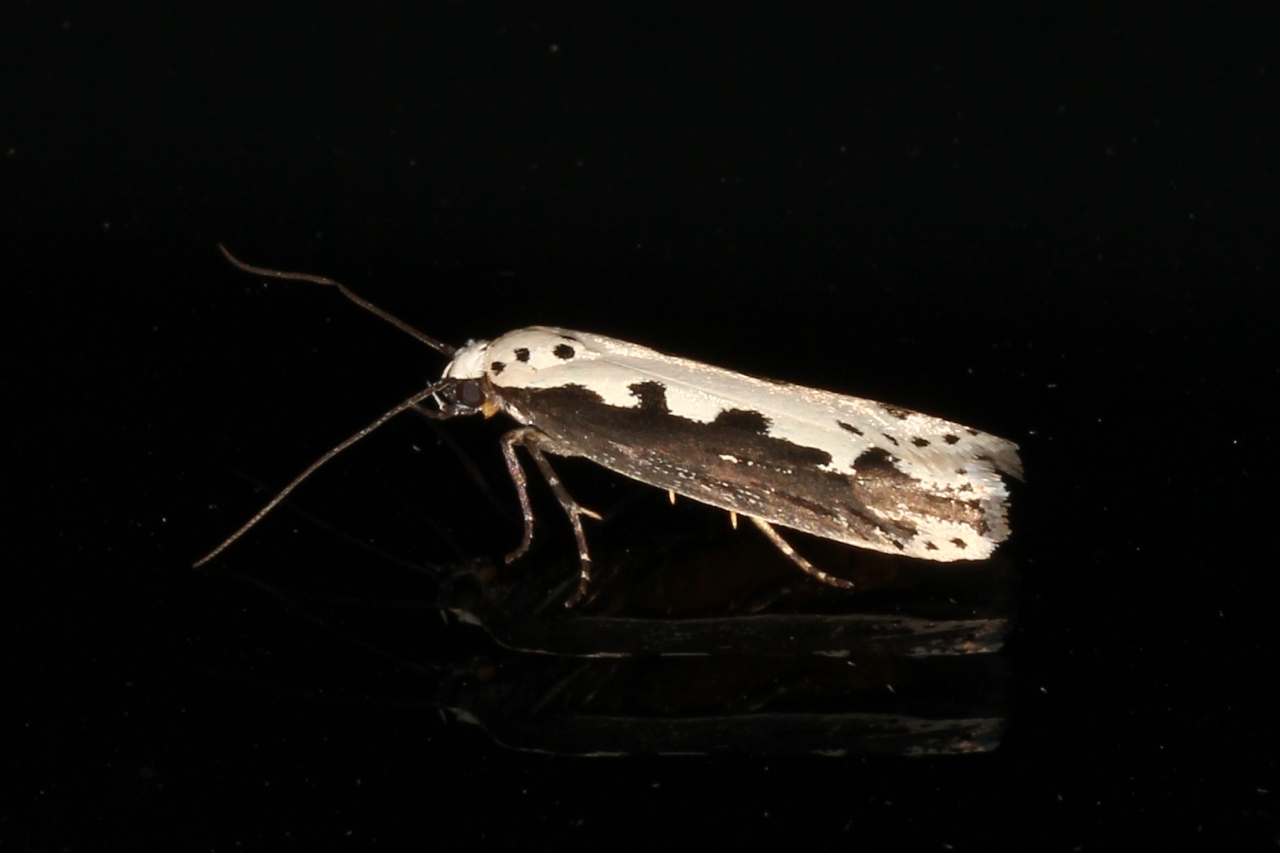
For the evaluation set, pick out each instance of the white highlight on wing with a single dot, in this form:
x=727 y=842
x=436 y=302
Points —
x=808 y=417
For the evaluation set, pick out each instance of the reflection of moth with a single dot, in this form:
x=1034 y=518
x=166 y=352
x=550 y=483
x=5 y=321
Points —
x=839 y=467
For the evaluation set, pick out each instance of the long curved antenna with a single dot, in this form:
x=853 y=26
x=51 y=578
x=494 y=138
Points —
x=402 y=406
x=363 y=303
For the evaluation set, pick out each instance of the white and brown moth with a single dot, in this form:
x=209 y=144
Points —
x=843 y=468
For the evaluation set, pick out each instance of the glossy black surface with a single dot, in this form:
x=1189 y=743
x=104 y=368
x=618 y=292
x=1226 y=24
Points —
x=1059 y=224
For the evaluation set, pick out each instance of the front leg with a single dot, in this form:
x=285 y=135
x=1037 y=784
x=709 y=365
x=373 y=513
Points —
x=536 y=442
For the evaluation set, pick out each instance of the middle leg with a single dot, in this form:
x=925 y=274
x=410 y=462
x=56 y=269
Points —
x=536 y=442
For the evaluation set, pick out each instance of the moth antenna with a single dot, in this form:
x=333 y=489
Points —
x=402 y=406
x=438 y=346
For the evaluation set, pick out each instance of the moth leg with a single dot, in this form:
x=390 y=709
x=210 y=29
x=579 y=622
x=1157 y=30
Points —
x=509 y=442
x=785 y=547
x=534 y=441
x=571 y=508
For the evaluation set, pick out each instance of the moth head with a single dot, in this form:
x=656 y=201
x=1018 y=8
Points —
x=465 y=388
x=466 y=397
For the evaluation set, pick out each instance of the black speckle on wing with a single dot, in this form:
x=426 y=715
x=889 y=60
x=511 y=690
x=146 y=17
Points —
x=652 y=396
x=742 y=420
x=877 y=462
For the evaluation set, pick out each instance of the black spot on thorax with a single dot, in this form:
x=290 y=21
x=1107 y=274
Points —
x=522 y=355
x=497 y=367
x=564 y=351
x=849 y=428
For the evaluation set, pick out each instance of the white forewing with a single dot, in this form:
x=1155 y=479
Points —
x=938 y=453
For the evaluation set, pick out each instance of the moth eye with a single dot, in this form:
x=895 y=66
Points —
x=470 y=394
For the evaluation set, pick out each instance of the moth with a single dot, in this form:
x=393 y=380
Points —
x=843 y=468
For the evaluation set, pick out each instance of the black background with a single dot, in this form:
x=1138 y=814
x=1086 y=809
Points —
x=1057 y=224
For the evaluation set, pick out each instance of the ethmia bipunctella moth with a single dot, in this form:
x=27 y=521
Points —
x=842 y=468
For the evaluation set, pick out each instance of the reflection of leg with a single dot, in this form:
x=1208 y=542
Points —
x=536 y=442
x=785 y=547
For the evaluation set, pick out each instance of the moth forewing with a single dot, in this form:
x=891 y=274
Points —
x=835 y=466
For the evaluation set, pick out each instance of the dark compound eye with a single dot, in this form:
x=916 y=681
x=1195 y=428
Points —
x=470 y=394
